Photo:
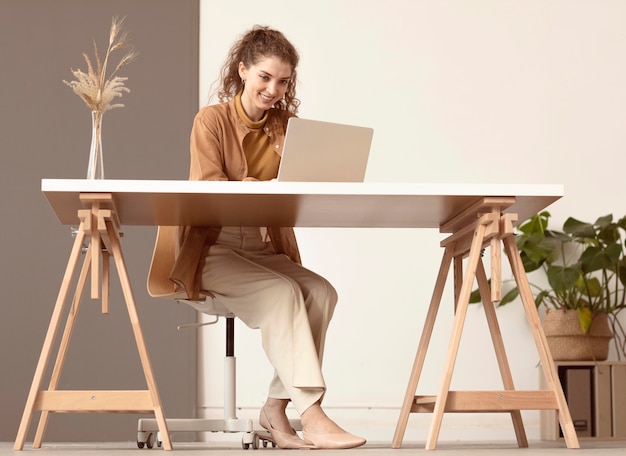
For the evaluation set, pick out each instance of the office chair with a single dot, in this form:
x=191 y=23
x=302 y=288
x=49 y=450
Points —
x=160 y=286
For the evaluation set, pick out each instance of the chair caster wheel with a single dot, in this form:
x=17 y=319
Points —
x=148 y=442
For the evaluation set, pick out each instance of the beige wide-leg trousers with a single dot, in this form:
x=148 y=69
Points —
x=291 y=305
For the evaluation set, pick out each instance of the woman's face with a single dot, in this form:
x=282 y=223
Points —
x=265 y=83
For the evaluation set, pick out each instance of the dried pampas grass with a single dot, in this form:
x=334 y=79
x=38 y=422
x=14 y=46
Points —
x=96 y=90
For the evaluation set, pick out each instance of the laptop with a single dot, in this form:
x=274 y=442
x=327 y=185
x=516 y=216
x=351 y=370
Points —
x=316 y=151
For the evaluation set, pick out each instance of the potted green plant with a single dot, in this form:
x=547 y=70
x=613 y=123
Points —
x=583 y=289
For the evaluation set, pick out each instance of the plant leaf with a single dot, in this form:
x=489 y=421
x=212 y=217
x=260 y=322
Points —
x=585 y=317
x=579 y=229
x=562 y=278
x=538 y=223
x=596 y=258
x=475 y=296
x=589 y=286
x=541 y=296
x=509 y=297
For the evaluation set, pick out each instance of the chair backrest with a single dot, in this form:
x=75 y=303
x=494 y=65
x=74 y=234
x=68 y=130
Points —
x=163 y=257
x=159 y=284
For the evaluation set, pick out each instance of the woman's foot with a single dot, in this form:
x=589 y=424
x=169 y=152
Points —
x=323 y=433
x=287 y=439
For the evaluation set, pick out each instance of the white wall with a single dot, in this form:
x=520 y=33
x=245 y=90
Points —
x=482 y=91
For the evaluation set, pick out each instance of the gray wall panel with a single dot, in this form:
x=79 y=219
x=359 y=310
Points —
x=45 y=132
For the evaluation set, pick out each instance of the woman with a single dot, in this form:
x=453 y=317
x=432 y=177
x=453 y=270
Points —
x=258 y=276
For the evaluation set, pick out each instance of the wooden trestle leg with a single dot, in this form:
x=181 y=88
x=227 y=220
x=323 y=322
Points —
x=101 y=228
x=483 y=225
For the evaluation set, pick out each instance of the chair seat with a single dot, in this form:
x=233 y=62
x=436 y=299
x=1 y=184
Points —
x=208 y=306
x=160 y=286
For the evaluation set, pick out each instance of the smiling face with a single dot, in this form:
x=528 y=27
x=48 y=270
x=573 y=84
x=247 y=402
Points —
x=265 y=83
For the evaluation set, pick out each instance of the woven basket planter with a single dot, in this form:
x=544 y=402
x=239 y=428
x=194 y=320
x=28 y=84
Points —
x=567 y=341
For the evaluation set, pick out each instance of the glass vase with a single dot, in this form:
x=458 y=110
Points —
x=95 y=170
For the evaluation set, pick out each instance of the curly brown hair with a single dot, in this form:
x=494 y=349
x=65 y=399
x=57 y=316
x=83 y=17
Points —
x=259 y=42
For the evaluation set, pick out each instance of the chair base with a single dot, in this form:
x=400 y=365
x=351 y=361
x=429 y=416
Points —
x=253 y=435
x=148 y=432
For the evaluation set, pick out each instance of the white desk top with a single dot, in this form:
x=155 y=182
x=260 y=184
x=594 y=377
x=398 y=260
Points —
x=298 y=204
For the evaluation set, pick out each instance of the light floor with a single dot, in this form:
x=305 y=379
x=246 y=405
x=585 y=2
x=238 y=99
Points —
x=370 y=449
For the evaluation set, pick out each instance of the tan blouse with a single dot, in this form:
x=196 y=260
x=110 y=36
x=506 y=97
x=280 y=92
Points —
x=217 y=153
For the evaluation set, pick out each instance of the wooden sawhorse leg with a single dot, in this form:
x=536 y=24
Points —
x=100 y=226
x=487 y=227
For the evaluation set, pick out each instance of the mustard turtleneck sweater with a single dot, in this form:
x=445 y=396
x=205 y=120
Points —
x=262 y=160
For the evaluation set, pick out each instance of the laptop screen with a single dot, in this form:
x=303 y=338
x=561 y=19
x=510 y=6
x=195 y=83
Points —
x=317 y=151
